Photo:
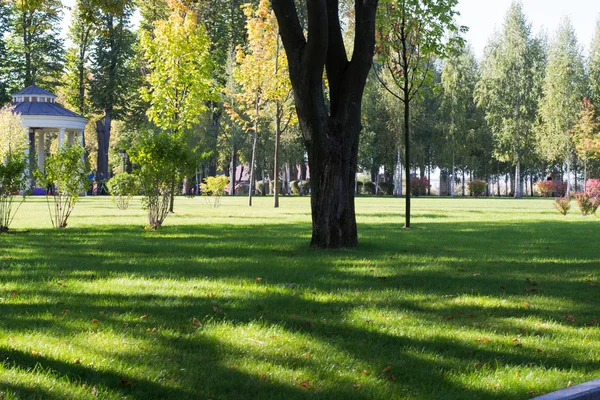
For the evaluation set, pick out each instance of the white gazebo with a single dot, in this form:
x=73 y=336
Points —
x=41 y=114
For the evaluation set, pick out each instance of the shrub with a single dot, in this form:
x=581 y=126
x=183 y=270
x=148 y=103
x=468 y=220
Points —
x=562 y=204
x=359 y=187
x=386 y=188
x=592 y=187
x=161 y=158
x=13 y=165
x=367 y=188
x=214 y=186
x=419 y=186
x=587 y=204
x=259 y=187
x=13 y=178
x=545 y=188
x=123 y=187
x=477 y=187
x=68 y=173
x=560 y=188
x=300 y=187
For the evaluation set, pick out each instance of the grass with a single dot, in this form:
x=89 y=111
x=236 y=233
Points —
x=483 y=299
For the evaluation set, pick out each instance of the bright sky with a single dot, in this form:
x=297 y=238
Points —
x=483 y=16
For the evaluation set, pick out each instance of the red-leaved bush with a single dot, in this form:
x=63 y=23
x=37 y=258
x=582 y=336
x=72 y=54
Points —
x=419 y=186
x=560 y=188
x=592 y=187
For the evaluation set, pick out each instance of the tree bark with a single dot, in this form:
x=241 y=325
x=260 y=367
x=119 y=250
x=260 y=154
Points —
x=331 y=133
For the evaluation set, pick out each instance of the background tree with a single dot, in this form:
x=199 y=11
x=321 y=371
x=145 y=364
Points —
x=586 y=135
x=35 y=49
x=412 y=35
x=459 y=77
x=331 y=129
x=113 y=51
x=81 y=34
x=564 y=88
x=510 y=88
x=179 y=80
x=594 y=66
x=4 y=27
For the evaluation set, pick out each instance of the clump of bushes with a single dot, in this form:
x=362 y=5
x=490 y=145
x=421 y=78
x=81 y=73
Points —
x=123 y=187
x=477 y=187
x=386 y=188
x=562 y=204
x=419 y=186
x=587 y=204
x=367 y=188
x=592 y=187
x=300 y=187
x=545 y=188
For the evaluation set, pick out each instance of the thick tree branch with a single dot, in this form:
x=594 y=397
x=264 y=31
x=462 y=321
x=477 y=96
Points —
x=337 y=60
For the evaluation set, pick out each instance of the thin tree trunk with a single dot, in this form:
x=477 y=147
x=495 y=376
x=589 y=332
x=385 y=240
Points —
x=255 y=139
x=453 y=169
x=276 y=157
x=232 y=171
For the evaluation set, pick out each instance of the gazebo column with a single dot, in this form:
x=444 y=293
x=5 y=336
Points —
x=71 y=138
x=41 y=151
x=61 y=137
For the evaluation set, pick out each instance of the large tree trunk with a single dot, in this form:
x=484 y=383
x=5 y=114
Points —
x=331 y=131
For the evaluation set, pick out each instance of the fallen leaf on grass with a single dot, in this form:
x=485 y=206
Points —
x=94 y=392
x=483 y=340
x=217 y=309
x=196 y=322
x=305 y=383
x=570 y=318
x=539 y=350
x=386 y=369
x=125 y=382
x=526 y=304
x=591 y=323
x=144 y=316
x=259 y=279
x=14 y=293
x=530 y=282
x=77 y=361
x=94 y=321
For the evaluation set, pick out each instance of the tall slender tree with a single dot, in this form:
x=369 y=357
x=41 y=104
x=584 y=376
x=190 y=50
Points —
x=459 y=76
x=81 y=34
x=413 y=34
x=564 y=89
x=510 y=88
x=113 y=51
x=179 y=81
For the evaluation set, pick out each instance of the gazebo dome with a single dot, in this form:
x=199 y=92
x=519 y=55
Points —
x=39 y=110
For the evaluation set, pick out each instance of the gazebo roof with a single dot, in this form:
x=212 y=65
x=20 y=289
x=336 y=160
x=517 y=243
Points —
x=47 y=109
x=34 y=90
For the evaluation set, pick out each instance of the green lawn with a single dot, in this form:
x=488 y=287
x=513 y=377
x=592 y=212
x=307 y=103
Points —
x=483 y=299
